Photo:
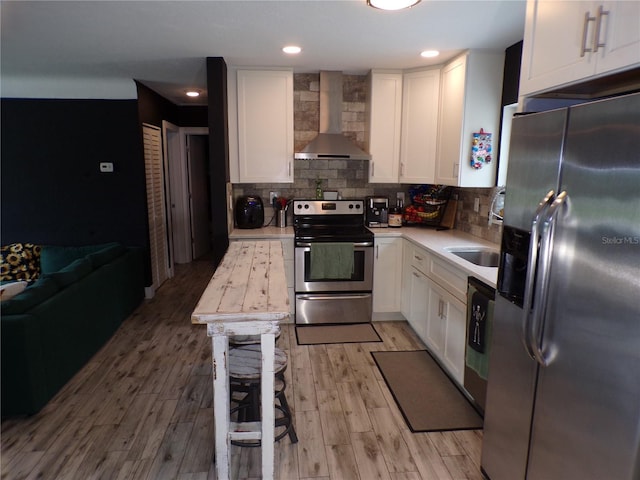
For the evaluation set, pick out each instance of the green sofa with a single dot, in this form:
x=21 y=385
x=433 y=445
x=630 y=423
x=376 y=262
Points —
x=78 y=300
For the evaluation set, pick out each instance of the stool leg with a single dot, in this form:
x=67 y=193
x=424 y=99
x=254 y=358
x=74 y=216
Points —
x=282 y=398
x=254 y=401
x=285 y=406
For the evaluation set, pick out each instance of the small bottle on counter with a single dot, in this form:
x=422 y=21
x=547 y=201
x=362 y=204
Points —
x=395 y=217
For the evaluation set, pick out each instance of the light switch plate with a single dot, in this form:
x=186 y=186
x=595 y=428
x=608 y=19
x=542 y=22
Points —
x=106 y=167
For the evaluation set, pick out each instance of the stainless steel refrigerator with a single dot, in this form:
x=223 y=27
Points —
x=563 y=398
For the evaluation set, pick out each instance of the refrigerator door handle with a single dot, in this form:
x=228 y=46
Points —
x=527 y=341
x=542 y=281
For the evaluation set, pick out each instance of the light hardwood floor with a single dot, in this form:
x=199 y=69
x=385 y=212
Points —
x=142 y=409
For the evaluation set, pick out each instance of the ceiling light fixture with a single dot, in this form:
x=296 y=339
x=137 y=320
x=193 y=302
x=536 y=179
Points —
x=392 y=4
x=291 y=49
x=193 y=93
x=429 y=53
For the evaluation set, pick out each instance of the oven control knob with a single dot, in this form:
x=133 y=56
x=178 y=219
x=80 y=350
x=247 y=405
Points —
x=299 y=207
x=306 y=206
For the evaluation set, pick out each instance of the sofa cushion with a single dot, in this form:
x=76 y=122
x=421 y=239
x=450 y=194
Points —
x=106 y=254
x=33 y=295
x=20 y=261
x=73 y=272
x=55 y=258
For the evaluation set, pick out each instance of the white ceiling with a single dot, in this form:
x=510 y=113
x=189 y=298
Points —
x=93 y=49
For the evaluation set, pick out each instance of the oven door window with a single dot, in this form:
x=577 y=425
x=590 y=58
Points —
x=361 y=279
x=357 y=275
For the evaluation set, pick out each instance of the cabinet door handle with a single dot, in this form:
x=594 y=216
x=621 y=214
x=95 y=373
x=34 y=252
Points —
x=377 y=251
x=373 y=169
x=455 y=169
x=596 y=36
x=289 y=169
x=585 y=30
x=440 y=307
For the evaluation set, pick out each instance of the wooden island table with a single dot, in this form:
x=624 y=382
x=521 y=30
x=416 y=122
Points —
x=247 y=295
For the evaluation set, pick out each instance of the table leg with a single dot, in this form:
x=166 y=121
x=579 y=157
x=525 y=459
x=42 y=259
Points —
x=220 y=347
x=267 y=341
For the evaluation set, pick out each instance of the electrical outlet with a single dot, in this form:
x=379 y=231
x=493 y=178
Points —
x=476 y=204
x=400 y=197
x=273 y=195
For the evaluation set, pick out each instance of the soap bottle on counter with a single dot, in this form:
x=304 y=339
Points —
x=318 y=189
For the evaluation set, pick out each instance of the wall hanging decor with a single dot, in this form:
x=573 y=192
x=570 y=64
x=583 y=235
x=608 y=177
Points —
x=481 y=152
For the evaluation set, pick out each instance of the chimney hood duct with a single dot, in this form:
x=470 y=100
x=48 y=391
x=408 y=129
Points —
x=330 y=142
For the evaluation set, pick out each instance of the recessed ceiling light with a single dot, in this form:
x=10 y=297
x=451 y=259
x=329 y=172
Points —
x=291 y=49
x=429 y=53
x=392 y=4
x=193 y=93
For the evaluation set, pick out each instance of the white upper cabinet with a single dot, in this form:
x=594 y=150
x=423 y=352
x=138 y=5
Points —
x=402 y=126
x=420 y=98
x=384 y=110
x=569 y=41
x=261 y=127
x=470 y=99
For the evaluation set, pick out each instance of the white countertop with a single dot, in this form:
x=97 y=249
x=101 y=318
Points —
x=436 y=241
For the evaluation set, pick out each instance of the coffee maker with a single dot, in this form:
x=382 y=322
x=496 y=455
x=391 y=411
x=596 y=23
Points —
x=376 y=211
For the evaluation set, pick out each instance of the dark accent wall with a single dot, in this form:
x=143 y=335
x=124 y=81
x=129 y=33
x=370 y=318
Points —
x=218 y=153
x=510 y=85
x=52 y=189
x=511 y=78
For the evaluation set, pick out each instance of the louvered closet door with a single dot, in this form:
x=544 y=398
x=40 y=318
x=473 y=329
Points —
x=156 y=204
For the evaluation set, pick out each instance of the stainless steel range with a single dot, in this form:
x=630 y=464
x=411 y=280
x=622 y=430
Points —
x=333 y=262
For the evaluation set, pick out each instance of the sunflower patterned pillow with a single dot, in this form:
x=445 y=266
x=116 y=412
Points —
x=20 y=262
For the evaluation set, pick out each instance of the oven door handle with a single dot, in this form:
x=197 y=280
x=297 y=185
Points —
x=338 y=296
x=356 y=244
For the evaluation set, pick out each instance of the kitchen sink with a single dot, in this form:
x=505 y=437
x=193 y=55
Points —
x=483 y=257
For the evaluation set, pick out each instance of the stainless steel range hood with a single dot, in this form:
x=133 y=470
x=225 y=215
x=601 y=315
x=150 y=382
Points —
x=330 y=142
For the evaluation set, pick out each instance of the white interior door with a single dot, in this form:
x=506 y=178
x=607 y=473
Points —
x=178 y=182
x=154 y=173
x=198 y=162
x=170 y=150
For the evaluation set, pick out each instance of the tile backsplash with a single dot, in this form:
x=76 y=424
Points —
x=350 y=177
x=477 y=223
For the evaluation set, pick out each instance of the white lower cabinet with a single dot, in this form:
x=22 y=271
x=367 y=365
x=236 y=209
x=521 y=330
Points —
x=288 y=252
x=446 y=330
x=435 y=313
x=387 y=276
x=418 y=292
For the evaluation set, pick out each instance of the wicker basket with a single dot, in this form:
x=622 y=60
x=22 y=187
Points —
x=428 y=205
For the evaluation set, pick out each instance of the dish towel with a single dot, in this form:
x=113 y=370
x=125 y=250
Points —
x=331 y=261
x=479 y=334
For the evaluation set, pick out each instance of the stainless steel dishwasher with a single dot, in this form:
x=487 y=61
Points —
x=480 y=302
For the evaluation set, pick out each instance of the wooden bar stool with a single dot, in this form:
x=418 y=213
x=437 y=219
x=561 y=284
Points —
x=245 y=382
